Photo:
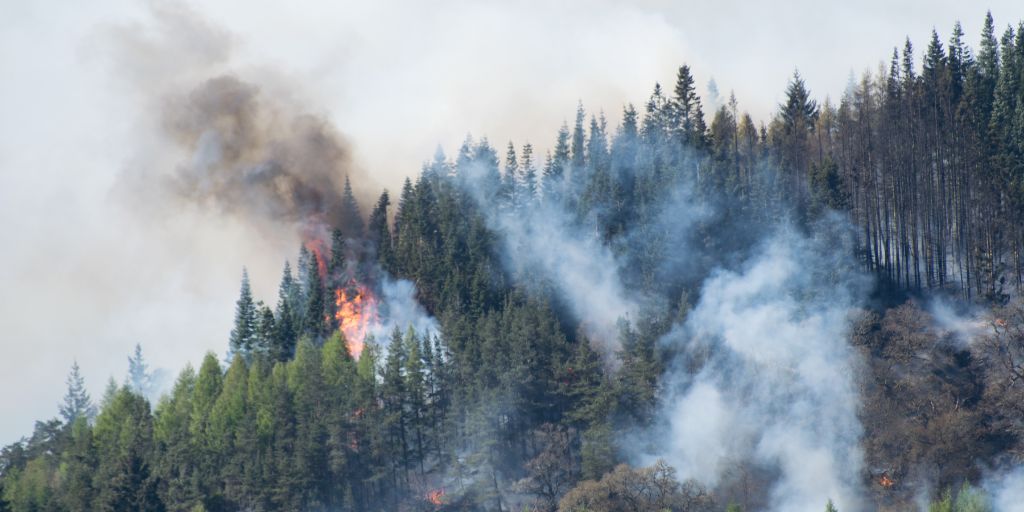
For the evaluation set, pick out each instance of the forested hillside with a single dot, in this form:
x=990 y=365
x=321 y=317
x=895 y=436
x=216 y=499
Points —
x=830 y=297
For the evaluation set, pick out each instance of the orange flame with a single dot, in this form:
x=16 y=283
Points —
x=356 y=311
x=436 y=497
x=318 y=248
x=886 y=481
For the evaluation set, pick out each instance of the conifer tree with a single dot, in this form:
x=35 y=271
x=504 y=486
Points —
x=139 y=378
x=529 y=173
x=380 y=233
x=243 y=335
x=76 y=403
x=352 y=220
x=511 y=179
x=316 y=318
x=286 y=319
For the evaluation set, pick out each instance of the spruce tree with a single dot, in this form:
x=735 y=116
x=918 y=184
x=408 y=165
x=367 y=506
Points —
x=336 y=266
x=243 y=335
x=686 y=111
x=510 y=180
x=380 y=232
x=286 y=317
x=139 y=379
x=316 y=319
x=529 y=173
x=352 y=220
x=76 y=403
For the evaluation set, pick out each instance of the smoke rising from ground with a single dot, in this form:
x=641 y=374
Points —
x=1007 y=491
x=776 y=384
x=963 y=322
x=542 y=243
x=400 y=309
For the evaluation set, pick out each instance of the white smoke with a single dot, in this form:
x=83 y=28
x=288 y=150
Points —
x=541 y=243
x=399 y=308
x=1007 y=491
x=959 y=320
x=776 y=388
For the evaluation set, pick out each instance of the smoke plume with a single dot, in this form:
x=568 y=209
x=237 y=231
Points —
x=236 y=140
x=775 y=385
x=251 y=157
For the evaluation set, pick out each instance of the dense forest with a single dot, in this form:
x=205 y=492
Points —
x=569 y=301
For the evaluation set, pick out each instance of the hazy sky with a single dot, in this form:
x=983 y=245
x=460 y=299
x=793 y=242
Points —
x=87 y=270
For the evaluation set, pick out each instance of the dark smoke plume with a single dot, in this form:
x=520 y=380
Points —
x=251 y=157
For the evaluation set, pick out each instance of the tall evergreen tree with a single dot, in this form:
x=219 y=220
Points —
x=139 y=379
x=76 y=403
x=316 y=318
x=352 y=219
x=286 y=316
x=243 y=335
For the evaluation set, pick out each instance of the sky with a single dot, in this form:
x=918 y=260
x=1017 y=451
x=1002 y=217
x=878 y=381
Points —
x=89 y=266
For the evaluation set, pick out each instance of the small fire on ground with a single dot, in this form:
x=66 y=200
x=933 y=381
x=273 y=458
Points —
x=436 y=497
x=886 y=481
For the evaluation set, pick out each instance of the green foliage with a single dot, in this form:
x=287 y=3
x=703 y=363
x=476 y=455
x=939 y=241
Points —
x=76 y=403
x=927 y=167
x=244 y=334
x=967 y=499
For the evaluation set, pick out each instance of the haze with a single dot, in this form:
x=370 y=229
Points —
x=88 y=272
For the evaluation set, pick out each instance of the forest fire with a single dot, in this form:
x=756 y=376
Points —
x=318 y=248
x=436 y=496
x=355 y=311
x=886 y=481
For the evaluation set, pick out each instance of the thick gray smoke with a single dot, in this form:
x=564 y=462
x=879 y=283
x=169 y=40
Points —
x=226 y=137
x=775 y=386
x=253 y=156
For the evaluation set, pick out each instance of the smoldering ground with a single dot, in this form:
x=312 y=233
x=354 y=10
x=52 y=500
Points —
x=764 y=376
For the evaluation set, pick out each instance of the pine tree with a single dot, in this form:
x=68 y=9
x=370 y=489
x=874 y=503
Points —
x=557 y=166
x=78 y=462
x=286 y=320
x=316 y=319
x=380 y=233
x=123 y=436
x=243 y=336
x=76 y=403
x=266 y=330
x=393 y=396
x=415 y=393
x=336 y=266
x=306 y=385
x=988 y=66
x=139 y=379
x=174 y=443
x=687 y=113
x=352 y=220
x=510 y=181
x=529 y=172
x=579 y=149
x=597 y=145
x=208 y=385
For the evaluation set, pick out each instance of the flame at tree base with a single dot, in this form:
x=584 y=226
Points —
x=436 y=497
x=355 y=312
